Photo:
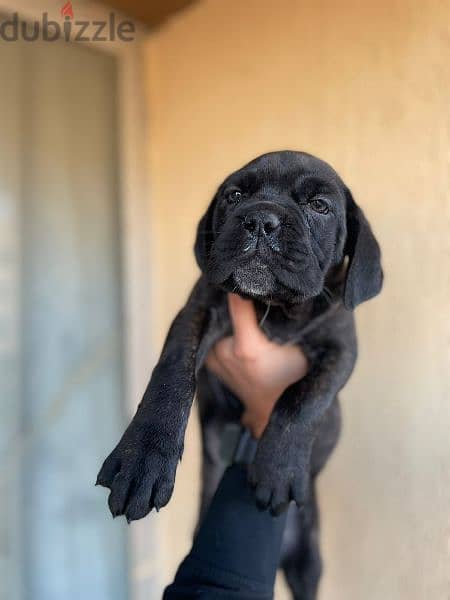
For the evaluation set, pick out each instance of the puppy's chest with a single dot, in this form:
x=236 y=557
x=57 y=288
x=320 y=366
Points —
x=277 y=326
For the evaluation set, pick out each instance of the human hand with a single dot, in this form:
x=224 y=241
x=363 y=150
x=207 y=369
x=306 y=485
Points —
x=254 y=368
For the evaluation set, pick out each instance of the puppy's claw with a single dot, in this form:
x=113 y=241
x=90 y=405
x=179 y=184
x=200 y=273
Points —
x=280 y=500
x=263 y=496
x=162 y=494
x=279 y=509
x=140 y=504
x=118 y=497
x=109 y=470
x=299 y=491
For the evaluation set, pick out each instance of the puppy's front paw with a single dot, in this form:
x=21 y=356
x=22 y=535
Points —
x=279 y=475
x=139 y=474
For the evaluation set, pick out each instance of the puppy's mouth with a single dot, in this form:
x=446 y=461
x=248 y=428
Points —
x=259 y=271
x=254 y=278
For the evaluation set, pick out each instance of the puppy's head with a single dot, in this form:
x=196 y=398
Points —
x=279 y=226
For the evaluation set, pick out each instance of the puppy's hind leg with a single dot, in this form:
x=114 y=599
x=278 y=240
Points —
x=213 y=466
x=301 y=560
x=216 y=408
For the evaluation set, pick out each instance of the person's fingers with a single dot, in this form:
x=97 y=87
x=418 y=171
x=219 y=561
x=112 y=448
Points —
x=217 y=362
x=222 y=369
x=212 y=362
x=223 y=350
x=246 y=331
x=250 y=423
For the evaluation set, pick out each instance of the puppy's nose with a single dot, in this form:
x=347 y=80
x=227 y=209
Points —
x=261 y=222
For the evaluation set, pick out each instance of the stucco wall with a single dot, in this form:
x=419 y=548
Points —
x=366 y=87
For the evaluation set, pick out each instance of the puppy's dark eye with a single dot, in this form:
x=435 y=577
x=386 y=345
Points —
x=319 y=206
x=234 y=196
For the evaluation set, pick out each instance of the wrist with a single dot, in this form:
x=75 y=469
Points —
x=255 y=422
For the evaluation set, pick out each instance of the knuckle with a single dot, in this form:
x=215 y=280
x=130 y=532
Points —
x=244 y=353
x=223 y=352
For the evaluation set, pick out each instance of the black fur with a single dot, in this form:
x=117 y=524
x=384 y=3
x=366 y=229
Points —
x=284 y=230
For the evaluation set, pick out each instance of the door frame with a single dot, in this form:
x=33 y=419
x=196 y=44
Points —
x=135 y=232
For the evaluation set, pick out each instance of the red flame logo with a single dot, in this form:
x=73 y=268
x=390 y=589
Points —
x=67 y=10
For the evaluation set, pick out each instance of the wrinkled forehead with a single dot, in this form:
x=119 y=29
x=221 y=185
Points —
x=287 y=171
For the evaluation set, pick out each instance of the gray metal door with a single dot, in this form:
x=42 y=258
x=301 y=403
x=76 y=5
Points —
x=60 y=323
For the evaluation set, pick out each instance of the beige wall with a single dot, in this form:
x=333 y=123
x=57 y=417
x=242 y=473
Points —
x=366 y=87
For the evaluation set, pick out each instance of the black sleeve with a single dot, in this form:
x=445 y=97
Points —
x=236 y=551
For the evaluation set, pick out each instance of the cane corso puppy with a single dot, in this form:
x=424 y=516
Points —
x=286 y=232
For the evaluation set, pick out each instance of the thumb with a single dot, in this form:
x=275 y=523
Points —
x=246 y=331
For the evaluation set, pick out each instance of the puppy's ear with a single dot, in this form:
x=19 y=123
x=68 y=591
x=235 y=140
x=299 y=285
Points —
x=205 y=236
x=364 y=277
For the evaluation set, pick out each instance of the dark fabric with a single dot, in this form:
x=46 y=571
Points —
x=236 y=551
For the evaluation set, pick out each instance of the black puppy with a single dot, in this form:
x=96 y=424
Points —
x=285 y=231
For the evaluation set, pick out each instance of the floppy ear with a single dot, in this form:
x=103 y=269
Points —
x=364 y=277
x=205 y=237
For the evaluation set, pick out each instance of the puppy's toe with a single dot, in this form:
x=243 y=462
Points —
x=154 y=490
x=263 y=495
x=299 y=491
x=162 y=493
x=120 y=491
x=109 y=470
x=280 y=500
x=139 y=503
